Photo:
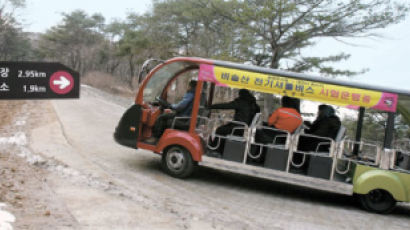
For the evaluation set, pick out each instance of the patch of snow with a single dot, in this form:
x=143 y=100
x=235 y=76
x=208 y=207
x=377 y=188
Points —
x=63 y=170
x=20 y=123
x=17 y=139
x=86 y=86
x=31 y=158
x=6 y=218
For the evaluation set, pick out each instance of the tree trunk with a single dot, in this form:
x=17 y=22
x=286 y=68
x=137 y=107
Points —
x=269 y=99
x=113 y=67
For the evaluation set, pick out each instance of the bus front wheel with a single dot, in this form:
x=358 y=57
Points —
x=177 y=162
x=378 y=201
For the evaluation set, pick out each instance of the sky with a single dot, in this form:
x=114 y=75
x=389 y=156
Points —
x=387 y=58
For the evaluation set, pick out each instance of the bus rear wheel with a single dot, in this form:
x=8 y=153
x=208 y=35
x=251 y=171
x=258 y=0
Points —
x=378 y=201
x=177 y=162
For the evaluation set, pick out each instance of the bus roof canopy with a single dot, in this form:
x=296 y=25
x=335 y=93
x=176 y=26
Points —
x=326 y=90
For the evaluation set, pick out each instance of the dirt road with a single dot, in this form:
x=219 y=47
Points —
x=106 y=186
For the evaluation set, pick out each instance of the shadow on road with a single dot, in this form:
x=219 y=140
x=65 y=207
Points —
x=203 y=175
x=271 y=188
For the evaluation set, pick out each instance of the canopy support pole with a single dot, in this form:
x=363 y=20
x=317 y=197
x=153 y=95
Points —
x=359 y=130
x=388 y=136
x=195 y=107
x=211 y=94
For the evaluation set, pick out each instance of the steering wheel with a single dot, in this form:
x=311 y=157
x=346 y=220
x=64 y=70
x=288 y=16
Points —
x=162 y=102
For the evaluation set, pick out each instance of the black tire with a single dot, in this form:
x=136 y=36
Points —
x=378 y=201
x=177 y=162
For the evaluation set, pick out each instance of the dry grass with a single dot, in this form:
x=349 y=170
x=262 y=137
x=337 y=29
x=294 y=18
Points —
x=25 y=187
x=108 y=83
x=8 y=110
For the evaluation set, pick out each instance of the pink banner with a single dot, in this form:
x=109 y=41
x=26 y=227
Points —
x=388 y=102
x=206 y=73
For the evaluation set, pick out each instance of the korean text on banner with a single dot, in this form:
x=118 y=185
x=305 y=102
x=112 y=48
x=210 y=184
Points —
x=304 y=89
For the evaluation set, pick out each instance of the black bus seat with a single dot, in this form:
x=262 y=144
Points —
x=402 y=160
x=322 y=147
x=235 y=144
x=237 y=133
x=281 y=138
x=224 y=145
x=315 y=162
x=402 y=154
x=322 y=144
x=269 y=152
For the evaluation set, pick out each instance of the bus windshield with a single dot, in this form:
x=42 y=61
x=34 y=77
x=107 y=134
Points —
x=160 y=79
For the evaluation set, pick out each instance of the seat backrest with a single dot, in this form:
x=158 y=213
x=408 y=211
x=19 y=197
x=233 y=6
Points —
x=255 y=120
x=340 y=134
x=298 y=129
x=235 y=138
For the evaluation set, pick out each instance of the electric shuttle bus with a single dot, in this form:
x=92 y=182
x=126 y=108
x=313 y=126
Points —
x=378 y=173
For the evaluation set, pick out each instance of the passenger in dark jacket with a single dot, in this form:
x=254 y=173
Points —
x=327 y=124
x=245 y=109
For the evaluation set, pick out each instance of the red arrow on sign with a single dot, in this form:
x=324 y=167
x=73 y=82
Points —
x=61 y=82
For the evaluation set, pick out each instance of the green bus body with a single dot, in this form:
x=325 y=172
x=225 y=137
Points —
x=367 y=178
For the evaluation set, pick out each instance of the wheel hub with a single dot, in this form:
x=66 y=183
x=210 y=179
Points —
x=175 y=160
x=376 y=196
